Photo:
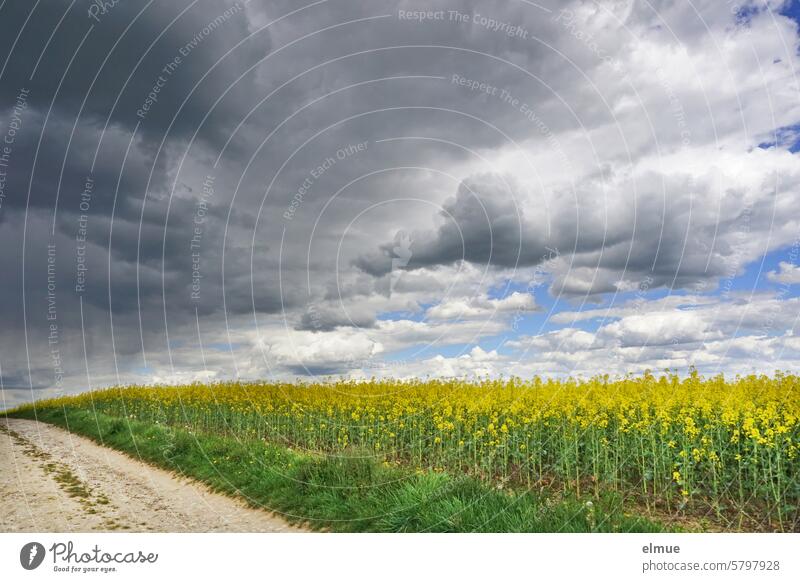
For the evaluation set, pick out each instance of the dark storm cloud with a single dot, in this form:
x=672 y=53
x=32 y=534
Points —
x=329 y=317
x=356 y=123
x=665 y=230
x=104 y=112
x=483 y=224
x=127 y=49
x=65 y=160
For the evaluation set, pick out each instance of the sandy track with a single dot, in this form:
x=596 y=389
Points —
x=52 y=480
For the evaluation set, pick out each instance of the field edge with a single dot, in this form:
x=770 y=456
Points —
x=347 y=493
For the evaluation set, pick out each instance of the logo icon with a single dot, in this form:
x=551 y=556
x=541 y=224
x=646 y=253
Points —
x=31 y=555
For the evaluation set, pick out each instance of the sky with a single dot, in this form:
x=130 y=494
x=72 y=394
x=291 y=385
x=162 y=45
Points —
x=207 y=190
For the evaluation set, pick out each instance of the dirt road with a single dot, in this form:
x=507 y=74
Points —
x=51 y=480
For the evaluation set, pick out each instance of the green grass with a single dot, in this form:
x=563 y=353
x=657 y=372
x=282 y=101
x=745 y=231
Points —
x=351 y=492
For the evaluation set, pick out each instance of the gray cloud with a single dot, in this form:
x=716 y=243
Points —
x=497 y=145
x=482 y=224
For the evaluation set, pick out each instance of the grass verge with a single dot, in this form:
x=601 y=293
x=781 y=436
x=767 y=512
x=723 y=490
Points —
x=347 y=493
